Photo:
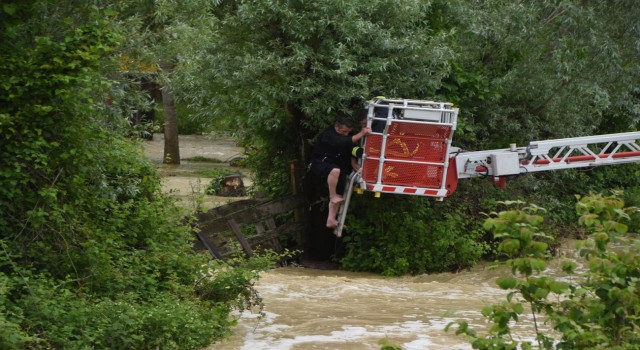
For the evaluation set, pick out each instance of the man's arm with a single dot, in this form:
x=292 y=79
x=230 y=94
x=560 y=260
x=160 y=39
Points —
x=357 y=137
x=354 y=164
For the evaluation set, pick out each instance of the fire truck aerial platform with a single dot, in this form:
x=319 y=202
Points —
x=410 y=152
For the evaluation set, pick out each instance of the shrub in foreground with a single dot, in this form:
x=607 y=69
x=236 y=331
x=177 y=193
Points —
x=596 y=309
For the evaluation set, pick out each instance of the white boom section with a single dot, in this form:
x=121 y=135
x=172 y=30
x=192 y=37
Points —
x=576 y=152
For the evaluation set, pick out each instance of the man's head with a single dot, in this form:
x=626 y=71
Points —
x=343 y=126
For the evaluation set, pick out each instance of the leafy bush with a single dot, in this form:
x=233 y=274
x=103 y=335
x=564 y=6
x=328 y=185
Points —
x=594 y=310
x=397 y=235
x=53 y=313
x=91 y=254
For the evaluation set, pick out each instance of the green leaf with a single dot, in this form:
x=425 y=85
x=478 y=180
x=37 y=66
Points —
x=488 y=224
x=510 y=246
x=620 y=228
x=506 y=282
x=541 y=293
x=9 y=9
x=538 y=265
x=487 y=311
x=539 y=247
x=559 y=287
x=517 y=308
x=569 y=266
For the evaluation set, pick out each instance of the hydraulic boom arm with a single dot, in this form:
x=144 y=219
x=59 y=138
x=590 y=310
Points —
x=577 y=152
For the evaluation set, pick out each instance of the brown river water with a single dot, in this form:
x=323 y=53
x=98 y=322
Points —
x=335 y=310
x=339 y=310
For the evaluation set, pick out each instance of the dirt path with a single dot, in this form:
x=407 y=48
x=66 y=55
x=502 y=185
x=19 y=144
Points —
x=189 y=180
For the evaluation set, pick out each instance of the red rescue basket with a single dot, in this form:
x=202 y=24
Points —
x=408 y=149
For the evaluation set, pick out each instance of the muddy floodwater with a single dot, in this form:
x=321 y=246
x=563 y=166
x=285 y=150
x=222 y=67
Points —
x=333 y=310
x=338 y=310
x=314 y=309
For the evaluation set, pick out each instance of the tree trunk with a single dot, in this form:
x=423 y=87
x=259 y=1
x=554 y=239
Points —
x=171 y=143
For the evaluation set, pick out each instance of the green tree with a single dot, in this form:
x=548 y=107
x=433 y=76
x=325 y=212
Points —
x=151 y=49
x=283 y=70
x=545 y=69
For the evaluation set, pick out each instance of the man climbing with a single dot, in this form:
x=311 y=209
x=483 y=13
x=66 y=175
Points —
x=331 y=157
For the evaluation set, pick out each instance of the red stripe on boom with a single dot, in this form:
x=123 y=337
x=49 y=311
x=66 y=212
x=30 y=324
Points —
x=587 y=158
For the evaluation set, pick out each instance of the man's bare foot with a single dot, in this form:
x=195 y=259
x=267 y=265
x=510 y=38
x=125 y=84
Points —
x=332 y=223
x=337 y=199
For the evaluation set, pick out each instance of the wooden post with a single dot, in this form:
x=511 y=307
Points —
x=259 y=228
x=298 y=213
x=294 y=183
x=243 y=241
x=271 y=226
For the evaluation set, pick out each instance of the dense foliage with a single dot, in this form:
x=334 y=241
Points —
x=535 y=70
x=520 y=71
x=91 y=254
x=283 y=70
x=415 y=237
x=595 y=307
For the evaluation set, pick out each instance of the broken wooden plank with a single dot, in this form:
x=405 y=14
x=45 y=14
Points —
x=229 y=209
x=275 y=241
x=257 y=212
x=271 y=224
x=243 y=241
x=259 y=229
x=266 y=208
x=209 y=245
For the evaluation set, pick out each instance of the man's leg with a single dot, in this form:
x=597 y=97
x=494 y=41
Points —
x=336 y=210
x=332 y=222
x=332 y=183
x=335 y=200
x=336 y=206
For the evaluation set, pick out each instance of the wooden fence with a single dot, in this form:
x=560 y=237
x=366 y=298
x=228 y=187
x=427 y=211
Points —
x=221 y=226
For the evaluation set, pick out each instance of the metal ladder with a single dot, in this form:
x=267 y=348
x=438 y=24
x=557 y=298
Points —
x=342 y=213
